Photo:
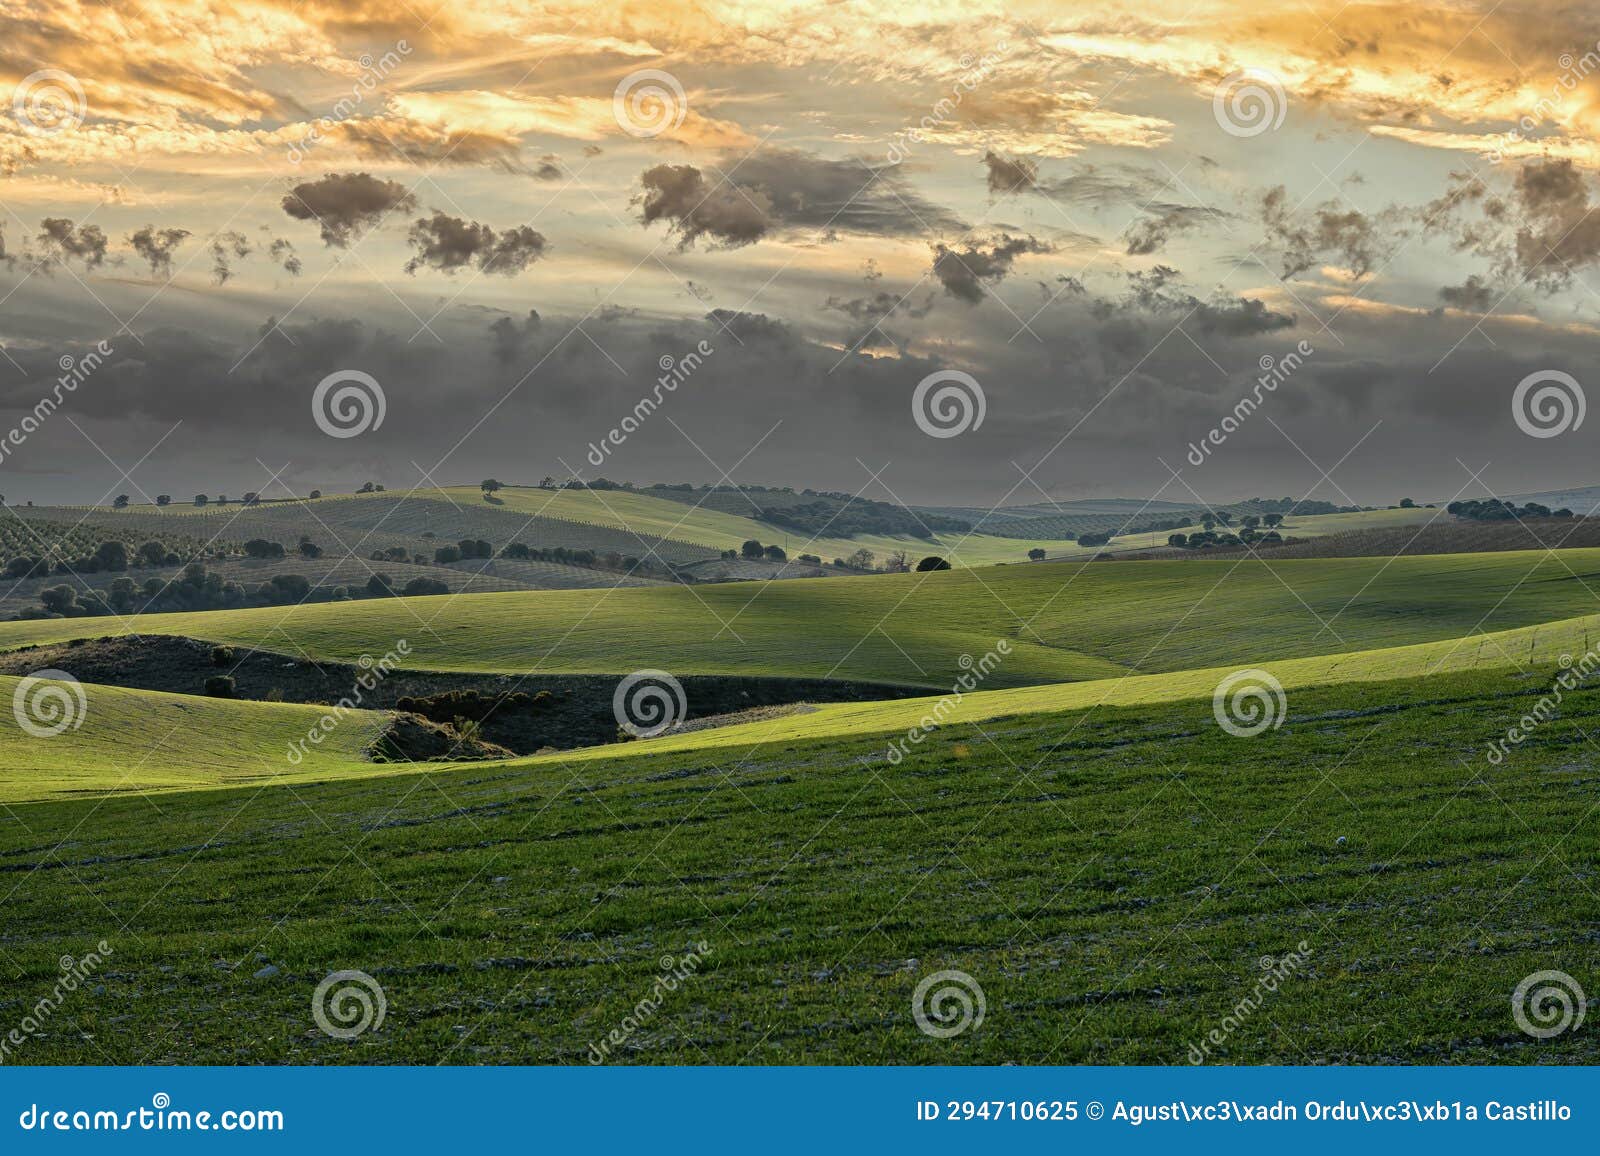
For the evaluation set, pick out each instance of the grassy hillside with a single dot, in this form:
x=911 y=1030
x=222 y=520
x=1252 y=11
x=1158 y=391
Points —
x=1066 y=621
x=195 y=742
x=133 y=741
x=1111 y=882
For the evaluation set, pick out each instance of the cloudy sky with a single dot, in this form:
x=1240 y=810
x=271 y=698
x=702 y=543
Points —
x=1109 y=217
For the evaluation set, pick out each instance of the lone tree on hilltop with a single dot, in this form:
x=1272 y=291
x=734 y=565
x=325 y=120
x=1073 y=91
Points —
x=122 y=502
x=489 y=485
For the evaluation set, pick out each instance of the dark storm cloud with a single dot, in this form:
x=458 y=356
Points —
x=449 y=243
x=61 y=240
x=964 y=271
x=156 y=246
x=226 y=248
x=508 y=339
x=1563 y=229
x=786 y=192
x=345 y=204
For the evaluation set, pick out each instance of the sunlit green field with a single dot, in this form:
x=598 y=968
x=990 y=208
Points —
x=1079 y=837
x=1065 y=621
x=1110 y=880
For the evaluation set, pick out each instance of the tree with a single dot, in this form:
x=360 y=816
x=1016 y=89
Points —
x=425 y=586
x=1407 y=504
x=1273 y=520
x=1209 y=523
x=163 y=499
x=447 y=554
x=366 y=488
x=251 y=498
x=775 y=554
x=316 y=493
x=200 y=499
x=932 y=562
x=515 y=550
x=1250 y=521
x=1177 y=539
x=862 y=559
x=1037 y=553
x=152 y=553
x=121 y=502
x=897 y=562
x=61 y=599
x=309 y=549
x=488 y=485
x=261 y=548
x=379 y=586
x=751 y=549
x=111 y=556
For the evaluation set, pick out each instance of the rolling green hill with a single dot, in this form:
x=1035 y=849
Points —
x=1066 y=621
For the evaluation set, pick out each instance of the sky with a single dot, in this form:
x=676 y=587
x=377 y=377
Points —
x=965 y=253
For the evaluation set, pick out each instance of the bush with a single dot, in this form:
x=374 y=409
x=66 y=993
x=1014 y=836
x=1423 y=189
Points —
x=261 y=548
x=751 y=549
x=447 y=554
x=222 y=656
x=219 y=686
x=1037 y=553
x=932 y=562
x=379 y=586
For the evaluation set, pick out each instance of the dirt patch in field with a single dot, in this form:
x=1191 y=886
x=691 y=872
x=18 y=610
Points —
x=522 y=715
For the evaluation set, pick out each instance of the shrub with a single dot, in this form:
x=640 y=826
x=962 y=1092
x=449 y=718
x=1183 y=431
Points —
x=379 y=586
x=932 y=562
x=447 y=554
x=261 y=548
x=751 y=549
x=219 y=686
x=222 y=656
x=1037 y=554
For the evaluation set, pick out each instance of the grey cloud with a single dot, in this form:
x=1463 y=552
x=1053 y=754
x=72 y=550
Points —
x=449 y=243
x=1010 y=174
x=60 y=240
x=281 y=250
x=227 y=247
x=966 y=270
x=345 y=204
x=156 y=246
x=1151 y=233
x=508 y=339
x=790 y=192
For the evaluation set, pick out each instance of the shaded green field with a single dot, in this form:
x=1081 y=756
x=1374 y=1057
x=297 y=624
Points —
x=1111 y=880
x=1066 y=621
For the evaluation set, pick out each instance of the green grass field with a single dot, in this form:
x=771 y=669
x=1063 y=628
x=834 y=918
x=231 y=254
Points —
x=1111 y=881
x=1066 y=621
x=1079 y=836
